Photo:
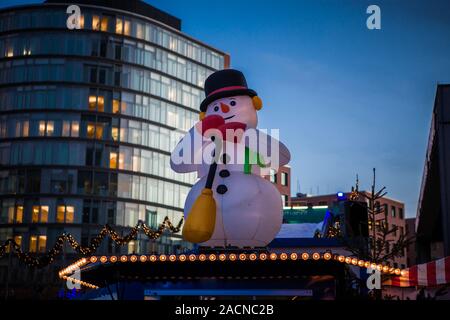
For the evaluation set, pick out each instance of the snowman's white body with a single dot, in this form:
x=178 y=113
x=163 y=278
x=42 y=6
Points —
x=249 y=213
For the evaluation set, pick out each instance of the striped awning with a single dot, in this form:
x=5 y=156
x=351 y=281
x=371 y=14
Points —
x=424 y=275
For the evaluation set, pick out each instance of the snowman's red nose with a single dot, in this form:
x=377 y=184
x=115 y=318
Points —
x=224 y=107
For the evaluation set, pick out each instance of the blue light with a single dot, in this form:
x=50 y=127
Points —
x=341 y=196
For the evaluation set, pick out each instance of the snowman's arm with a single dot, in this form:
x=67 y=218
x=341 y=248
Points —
x=271 y=151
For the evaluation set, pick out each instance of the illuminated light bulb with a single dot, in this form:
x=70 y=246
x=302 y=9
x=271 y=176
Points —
x=123 y=258
x=212 y=257
x=361 y=263
x=93 y=259
x=403 y=273
x=373 y=266
x=273 y=256
x=385 y=269
x=162 y=257
x=283 y=256
x=153 y=258
x=192 y=257
x=354 y=261
x=133 y=258
x=397 y=271
x=253 y=257
x=379 y=267
x=341 y=258
x=172 y=257
x=103 y=259
x=202 y=257
x=305 y=256
x=242 y=256
x=367 y=264
x=316 y=256
x=232 y=257
x=222 y=257
x=143 y=258
x=327 y=256
x=182 y=257
x=348 y=260
x=113 y=259
x=294 y=256
x=263 y=256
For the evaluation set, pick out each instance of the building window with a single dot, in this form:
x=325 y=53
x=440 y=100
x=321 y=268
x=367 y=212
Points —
x=65 y=214
x=126 y=27
x=285 y=199
x=94 y=131
x=70 y=129
x=95 y=22
x=96 y=103
x=113 y=160
x=22 y=128
x=393 y=213
x=104 y=24
x=39 y=214
x=400 y=213
x=38 y=244
x=115 y=133
x=394 y=227
x=115 y=106
x=42 y=244
x=119 y=26
x=33 y=244
x=284 y=178
x=19 y=214
x=273 y=176
x=46 y=128
x=131 y=247
x=18 y=240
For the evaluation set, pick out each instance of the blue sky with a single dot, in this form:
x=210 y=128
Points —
x=345 y=98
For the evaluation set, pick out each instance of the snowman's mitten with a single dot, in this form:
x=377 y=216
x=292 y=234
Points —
x=210 y=122
x=232 y=131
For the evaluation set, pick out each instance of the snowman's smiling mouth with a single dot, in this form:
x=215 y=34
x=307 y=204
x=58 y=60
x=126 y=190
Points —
x=228 y=117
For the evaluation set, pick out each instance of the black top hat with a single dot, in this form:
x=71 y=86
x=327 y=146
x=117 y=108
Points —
x=225 y=83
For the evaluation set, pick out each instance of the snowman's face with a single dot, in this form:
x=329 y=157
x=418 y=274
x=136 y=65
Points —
x=234 y=109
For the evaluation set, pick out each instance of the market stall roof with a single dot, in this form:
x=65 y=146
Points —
x=98 y=271
x=428 y=274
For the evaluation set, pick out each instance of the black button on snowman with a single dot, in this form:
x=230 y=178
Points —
x=230 y=204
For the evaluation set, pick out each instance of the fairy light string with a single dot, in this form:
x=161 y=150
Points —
x=44 y=260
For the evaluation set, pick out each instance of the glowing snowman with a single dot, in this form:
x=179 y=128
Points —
x=248 y=208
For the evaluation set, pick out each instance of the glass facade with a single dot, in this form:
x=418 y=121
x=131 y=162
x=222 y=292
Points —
x=88 y=119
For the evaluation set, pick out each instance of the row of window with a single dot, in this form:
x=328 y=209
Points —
x=77 y=98
x=90 y=127
x=42 y=70
x=95 y=182
x=137 y=28
x=393 y=212
x=39 y=214
x=87 y=154
x=107 y=47
x=51 y=210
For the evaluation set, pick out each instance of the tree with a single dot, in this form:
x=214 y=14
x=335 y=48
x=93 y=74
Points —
x=379 y=248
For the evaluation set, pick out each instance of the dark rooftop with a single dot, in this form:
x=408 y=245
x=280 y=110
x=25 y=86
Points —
x=134 y=6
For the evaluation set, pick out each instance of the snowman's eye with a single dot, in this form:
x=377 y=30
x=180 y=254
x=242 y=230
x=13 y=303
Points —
x=232 y=103
x=216 y=108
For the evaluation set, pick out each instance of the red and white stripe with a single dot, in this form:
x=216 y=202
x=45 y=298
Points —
x=423 y=275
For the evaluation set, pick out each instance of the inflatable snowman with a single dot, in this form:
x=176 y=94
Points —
x=230 y=204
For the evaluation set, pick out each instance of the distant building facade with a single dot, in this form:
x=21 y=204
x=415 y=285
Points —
x=282 y=180
x=433 y=211
x=394 y=208
x=88 y=118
